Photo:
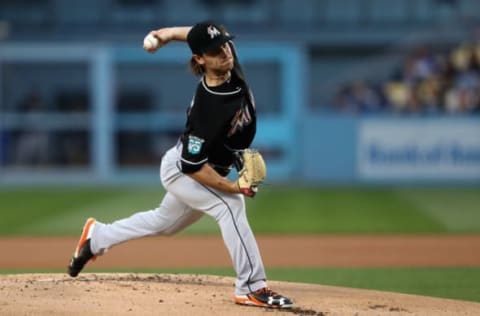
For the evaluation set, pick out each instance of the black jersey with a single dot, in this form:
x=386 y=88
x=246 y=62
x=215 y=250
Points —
x=220 y=121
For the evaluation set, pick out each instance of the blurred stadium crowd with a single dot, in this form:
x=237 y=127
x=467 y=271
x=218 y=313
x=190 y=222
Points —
x=427 y=82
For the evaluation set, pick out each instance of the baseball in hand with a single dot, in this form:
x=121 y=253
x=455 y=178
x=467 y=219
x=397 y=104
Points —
x=150 y=42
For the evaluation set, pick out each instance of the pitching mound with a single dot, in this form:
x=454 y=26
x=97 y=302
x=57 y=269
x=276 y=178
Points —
x=166 y=294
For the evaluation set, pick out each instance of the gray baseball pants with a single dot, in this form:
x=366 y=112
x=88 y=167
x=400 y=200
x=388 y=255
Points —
x=184 y=203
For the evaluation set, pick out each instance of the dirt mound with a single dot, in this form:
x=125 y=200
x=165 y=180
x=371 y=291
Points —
x=167 y=294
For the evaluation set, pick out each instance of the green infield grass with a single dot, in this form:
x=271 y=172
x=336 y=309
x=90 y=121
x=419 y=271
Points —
x=276 y=209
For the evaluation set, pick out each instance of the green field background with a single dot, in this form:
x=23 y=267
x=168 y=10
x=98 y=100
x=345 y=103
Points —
x=61 y=211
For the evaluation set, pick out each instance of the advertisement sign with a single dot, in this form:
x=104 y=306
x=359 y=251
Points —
x=418 y=149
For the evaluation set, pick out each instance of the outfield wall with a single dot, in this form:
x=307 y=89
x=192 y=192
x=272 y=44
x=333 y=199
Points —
x=101 y=140
x=387 y=149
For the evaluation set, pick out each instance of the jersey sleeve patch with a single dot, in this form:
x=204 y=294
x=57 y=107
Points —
x=195 y=144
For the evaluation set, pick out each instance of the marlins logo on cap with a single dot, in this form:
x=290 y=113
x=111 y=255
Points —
x=206 y=36
x=212 y=31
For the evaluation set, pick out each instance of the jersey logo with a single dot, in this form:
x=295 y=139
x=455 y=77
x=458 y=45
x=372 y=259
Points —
x=194 y=144
x=242 y=118
x=212 y=31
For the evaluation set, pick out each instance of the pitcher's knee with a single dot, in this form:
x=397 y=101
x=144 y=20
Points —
x=236 y=201
x=234 y=205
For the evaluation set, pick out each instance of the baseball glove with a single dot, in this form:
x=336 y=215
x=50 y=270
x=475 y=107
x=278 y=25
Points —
x=252 y=172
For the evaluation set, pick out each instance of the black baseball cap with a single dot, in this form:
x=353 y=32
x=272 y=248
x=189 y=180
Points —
x=205 y=36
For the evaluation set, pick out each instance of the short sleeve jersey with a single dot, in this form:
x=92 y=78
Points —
x=221 y=120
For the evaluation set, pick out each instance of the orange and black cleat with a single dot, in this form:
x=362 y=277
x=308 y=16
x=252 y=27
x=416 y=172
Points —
x=264 y=297
x=83 y=252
